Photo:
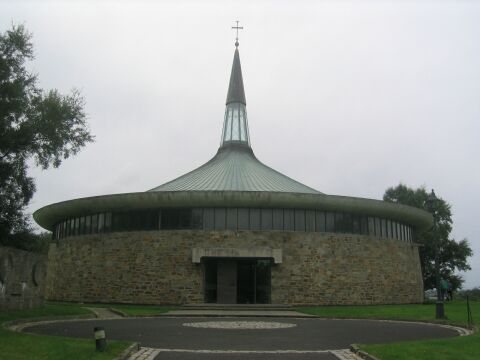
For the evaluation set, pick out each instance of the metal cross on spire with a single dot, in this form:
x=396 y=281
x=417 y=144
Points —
x=237 y=28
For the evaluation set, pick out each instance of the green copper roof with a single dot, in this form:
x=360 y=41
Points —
x=235 y=167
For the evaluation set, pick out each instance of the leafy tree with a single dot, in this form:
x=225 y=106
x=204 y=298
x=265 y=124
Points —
x=452 y=254
x=473 y=294
x=45 y=126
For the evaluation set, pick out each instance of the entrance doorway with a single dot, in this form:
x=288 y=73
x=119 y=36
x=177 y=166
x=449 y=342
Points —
x=237 y=281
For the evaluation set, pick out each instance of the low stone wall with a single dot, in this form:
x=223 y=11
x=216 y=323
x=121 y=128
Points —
x=155 y=267
x=22 y=279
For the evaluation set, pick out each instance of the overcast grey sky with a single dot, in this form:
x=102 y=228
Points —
x=349 y=98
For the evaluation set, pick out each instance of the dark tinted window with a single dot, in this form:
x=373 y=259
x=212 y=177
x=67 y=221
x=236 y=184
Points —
x=299 y=220
x=243 y=219
x=267 y=219
x=197 y=218
x=88 y=224
x=148 y=220
x=320 y=221
x=232 y=219
x=135 y=218
x=77 y=226
x=108 y=221
x=170 y=219
x=371 y=225
x=278 y=219
x=220 y=219
x=356 y=226
x=118 y=222
x=343 y=223
x=185 y=219
x=363 y=225
x=288 y=220
x=383 y=223
x=208 y=219
x=330 y=222
x=310 y=220
x=378 y=227
x=82 y=225
x=94 y=224
x=254 y=219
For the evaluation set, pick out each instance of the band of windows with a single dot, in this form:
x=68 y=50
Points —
x=234 y=219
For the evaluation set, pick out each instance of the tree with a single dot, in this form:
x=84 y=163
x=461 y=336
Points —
x=45 y=126
x=452 y=254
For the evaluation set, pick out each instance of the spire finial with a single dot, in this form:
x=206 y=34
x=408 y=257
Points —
x=237 y=28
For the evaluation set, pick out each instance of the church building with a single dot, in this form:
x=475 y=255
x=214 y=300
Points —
x=233 y=231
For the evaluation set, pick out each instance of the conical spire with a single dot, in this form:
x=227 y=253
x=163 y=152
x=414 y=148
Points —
x=235 y=124
x=236 y=92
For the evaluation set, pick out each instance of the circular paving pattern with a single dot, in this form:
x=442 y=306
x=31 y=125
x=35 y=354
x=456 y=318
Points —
x=240 y=325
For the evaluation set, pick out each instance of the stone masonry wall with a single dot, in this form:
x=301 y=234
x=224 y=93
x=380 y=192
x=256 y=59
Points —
x=22 y=279
x=155 y=267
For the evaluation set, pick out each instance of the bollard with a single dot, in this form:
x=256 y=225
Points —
x=439 y=310
x=100 y=338
x=469 y=315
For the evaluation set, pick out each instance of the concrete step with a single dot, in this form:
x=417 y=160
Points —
x=236 y=307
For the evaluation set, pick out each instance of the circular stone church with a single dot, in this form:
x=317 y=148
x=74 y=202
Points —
x=233 y=231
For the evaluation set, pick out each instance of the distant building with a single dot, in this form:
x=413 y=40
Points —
x=233 y=231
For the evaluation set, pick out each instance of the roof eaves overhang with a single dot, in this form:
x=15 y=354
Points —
x=49 y=215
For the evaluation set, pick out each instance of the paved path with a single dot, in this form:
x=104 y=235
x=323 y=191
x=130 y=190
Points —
x=104 y=313
x=307 y=334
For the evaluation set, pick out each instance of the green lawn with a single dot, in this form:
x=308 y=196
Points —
x=16 y=346
x=465 y=348
x=456 y=312
x=459 y=348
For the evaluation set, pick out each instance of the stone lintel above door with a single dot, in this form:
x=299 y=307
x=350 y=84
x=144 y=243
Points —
x=199 y=253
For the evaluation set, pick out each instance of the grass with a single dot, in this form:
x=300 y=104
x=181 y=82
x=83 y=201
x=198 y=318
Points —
x=456 y=312
x=20 y=346
x=465 y=348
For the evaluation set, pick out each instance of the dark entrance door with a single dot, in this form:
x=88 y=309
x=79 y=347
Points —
x=226 y=282
x=241 y=281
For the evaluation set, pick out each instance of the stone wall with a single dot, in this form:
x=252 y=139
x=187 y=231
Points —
x=22 y=279
x=155 y=267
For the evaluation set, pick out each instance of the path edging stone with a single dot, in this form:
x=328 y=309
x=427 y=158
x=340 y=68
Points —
x=363 y=354
x=128 y=352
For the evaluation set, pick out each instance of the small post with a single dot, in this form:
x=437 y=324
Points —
x=100 y=338
x=469 y=314
x=439 y=310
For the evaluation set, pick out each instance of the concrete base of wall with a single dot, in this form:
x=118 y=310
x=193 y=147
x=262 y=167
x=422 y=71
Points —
x=155 y=267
